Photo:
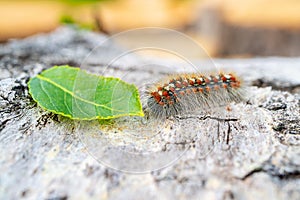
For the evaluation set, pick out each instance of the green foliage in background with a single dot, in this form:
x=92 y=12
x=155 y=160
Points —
x=69 y=16
x=81 y=2
x=69 y=20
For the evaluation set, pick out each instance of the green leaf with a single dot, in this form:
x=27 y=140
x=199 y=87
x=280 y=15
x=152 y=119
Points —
x=76 y=94
x=69 y=20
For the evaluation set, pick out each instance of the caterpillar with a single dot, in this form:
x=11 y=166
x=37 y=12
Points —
x=185 y=93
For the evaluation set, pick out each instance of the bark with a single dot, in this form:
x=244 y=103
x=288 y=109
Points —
x=250 y=151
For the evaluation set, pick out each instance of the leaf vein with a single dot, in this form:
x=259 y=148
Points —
x=47 y=94
x=65 y=102
x=79 y=108
x=75 y=96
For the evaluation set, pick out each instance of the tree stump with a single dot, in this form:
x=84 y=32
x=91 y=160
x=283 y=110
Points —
x=256 y=156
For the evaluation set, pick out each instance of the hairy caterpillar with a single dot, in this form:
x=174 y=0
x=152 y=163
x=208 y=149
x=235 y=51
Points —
x=185 y=93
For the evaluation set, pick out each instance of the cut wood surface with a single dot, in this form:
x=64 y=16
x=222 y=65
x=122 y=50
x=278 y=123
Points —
x=250 y=150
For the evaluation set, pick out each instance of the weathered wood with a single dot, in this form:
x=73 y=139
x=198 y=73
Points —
x=255 y=155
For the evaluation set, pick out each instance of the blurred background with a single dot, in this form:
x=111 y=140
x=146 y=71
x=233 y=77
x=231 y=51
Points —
x=226 y=28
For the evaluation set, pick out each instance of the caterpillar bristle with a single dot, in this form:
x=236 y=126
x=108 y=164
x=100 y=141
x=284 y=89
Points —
x=184 y=93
